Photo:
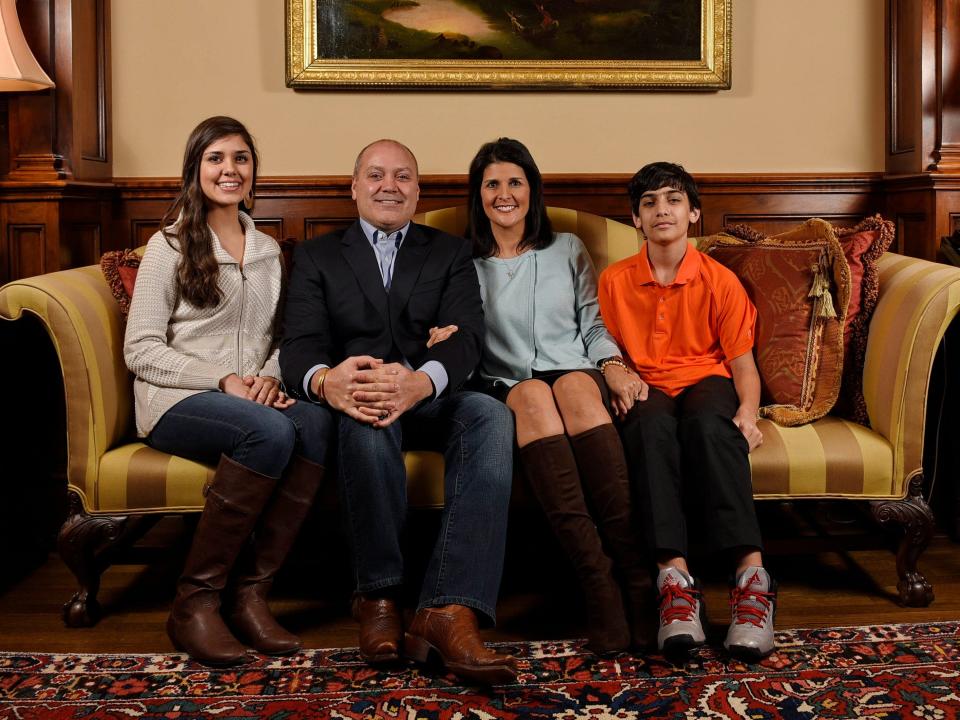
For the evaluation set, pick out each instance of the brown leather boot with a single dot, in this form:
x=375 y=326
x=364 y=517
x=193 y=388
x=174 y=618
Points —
x=247 y=611
x=603 y=470
x=452 y=634
x=381 y=628
x=234 y=501
x=552 y=470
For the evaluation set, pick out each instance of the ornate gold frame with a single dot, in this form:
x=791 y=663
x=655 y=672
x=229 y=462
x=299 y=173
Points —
x=307 y=71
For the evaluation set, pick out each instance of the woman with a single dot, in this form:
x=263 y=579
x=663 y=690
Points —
x=545 y=340
x=200 y=341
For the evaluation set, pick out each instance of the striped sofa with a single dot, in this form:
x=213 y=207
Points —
x=118 y=486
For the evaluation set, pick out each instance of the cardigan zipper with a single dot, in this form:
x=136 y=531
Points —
x=243 y=296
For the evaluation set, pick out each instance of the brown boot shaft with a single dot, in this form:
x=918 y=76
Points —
x=603 y=471
x=552 y=471
x=235 y=499
x=248 y=613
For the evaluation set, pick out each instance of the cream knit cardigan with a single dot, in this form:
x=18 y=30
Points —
x=176 y=350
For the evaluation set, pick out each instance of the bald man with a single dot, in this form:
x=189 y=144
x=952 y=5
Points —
x=359 y=309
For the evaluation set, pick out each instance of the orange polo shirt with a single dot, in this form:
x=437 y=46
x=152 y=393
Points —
x=675 y=335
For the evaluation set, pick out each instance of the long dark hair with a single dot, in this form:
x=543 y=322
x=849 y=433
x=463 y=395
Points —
x=537 y=232
x=198 y=271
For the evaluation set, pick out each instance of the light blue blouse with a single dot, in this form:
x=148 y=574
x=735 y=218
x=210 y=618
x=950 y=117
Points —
x=541 y=312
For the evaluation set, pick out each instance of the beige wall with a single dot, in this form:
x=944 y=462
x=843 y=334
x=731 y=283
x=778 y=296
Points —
x=807 y=97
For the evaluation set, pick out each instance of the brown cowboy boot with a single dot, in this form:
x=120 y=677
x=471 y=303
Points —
x=552 y=470
x=603 y=470
x=381 y=628
x=235 y=499
x=247 y=611
x=451 y=633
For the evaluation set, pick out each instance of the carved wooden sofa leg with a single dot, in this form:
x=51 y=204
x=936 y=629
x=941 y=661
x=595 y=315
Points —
x=87 y=544
x=916 y=518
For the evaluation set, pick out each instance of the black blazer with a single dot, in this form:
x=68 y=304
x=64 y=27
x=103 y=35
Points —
x=337 y=307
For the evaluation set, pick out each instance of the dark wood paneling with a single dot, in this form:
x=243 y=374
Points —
x=74 y=218
x=923 y=92
x=26 y=244
x=302 y=207
x=64 y=133
x=128 y=211
x=30 y=239
x=903 y=97
x=947 y=153
x=91 y=80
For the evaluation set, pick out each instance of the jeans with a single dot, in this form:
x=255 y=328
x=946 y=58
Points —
x=263 y=439
x=475 y=434
x=688 y=447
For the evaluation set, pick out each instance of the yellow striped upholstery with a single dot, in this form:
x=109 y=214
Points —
x=830 y=458
x=606 y=240
x=827 y=458
x=84 y=322
x=137 y=478
x=918 y=300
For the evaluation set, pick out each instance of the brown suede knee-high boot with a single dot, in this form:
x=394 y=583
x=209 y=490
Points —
x=247 y=611
x=235 y=499
x=552 y=471
x=603 y=471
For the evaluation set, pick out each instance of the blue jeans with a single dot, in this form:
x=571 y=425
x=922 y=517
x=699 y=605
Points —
x=475 y=434
x=208 y=424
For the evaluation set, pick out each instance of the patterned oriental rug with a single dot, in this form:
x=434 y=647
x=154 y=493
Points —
x=885 y=671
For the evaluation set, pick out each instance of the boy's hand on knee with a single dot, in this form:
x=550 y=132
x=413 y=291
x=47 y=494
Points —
x=747 y=422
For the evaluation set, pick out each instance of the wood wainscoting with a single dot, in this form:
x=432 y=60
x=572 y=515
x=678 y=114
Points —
x=47 y=226
x=302 y=207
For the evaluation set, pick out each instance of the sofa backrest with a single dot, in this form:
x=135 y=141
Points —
x=606 y=240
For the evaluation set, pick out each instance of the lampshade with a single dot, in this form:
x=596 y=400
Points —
x=19 y=69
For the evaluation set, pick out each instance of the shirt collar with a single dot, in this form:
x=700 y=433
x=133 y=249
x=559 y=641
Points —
x=370 y=230
x=689 y=267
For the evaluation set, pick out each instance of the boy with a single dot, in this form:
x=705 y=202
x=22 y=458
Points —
x=686 y=326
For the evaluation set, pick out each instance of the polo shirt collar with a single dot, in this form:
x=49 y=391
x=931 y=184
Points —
x=689 y=267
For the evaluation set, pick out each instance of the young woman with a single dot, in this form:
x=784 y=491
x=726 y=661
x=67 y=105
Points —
x=200 y=341
x=544 y=342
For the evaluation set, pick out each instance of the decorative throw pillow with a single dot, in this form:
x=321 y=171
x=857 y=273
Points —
x=862 y=246
x=800 y=284
x=120 y=267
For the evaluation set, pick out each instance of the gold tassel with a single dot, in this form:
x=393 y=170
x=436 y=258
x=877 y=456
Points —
x=820 y=289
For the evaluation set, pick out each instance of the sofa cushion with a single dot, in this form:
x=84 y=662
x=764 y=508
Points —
x=120 y=267
x=862 y=246
x=136 y=478
x=800 y=285
x=830 y=457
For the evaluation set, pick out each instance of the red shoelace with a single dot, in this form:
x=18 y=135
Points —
x=754 y=612
x=684 y=612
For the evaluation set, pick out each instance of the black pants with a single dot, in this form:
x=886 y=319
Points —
x=688 y=447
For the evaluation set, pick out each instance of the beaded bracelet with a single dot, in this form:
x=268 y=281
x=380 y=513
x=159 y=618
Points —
x=612 y=361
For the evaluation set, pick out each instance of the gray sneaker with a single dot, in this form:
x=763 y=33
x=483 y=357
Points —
x=681 y=614
x=753 y=604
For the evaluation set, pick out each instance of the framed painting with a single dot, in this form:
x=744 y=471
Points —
x=508 y=44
